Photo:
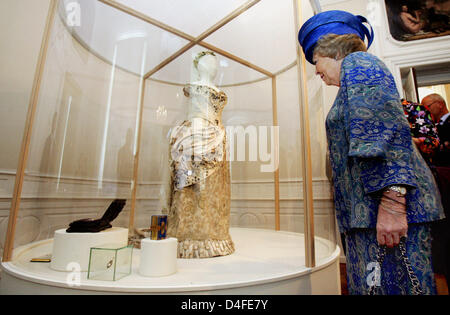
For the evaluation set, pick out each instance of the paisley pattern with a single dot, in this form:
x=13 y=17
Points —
x=199 y=211
x=371 y=147
x=362 y=252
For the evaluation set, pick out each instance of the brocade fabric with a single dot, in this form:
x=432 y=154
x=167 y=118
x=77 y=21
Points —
x=199 y=211
x=371 y=148
x=362 y=252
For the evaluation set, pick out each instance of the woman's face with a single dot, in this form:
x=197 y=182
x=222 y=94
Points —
x=328 y=69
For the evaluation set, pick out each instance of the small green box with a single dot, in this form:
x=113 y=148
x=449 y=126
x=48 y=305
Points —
x=110 y=262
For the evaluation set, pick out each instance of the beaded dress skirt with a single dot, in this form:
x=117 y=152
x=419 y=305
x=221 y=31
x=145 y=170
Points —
x=199 y=211
x=199 y=217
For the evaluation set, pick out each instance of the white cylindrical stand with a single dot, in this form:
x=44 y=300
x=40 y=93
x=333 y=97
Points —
x=158 y=258
x=73 y=249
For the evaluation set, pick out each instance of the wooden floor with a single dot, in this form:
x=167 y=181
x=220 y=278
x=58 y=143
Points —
x=344 y=290
x=441 y=283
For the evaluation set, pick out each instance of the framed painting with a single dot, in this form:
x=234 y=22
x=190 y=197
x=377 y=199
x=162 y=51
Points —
x=418 y=19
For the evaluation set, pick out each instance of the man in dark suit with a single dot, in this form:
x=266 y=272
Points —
x=440 y=114
x=441 y=170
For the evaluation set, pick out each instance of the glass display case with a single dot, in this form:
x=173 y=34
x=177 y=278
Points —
x=112 y=82
x=110 y=262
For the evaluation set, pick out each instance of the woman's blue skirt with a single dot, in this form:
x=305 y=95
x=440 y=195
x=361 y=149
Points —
x=391 y=278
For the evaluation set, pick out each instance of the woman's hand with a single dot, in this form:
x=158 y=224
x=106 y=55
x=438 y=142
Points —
x=391 y=221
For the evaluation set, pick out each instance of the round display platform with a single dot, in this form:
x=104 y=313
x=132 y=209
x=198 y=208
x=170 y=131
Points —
x=265 y=262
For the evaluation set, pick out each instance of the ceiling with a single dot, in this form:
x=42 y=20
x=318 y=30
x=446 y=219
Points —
x=259 y=40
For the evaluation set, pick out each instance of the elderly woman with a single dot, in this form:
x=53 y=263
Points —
x=385 y=194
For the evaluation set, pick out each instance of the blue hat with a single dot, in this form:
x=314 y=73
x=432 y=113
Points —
x=332 y=22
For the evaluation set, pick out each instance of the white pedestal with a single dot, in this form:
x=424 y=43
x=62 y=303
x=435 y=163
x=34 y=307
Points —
x=158 y=258
x=265 y=262
x=70 y=249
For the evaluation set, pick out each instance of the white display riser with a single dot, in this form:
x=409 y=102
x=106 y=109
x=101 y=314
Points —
x=265 y=262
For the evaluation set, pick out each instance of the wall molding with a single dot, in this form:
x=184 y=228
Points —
x=252 y=205
x=50 y=187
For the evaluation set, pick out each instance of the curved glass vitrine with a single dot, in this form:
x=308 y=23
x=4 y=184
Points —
x=109 y=88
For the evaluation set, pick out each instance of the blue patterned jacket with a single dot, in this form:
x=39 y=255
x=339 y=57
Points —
x=371 y=147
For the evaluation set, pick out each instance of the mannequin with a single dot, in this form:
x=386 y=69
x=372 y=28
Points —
x=206 y=65
x=199 y=202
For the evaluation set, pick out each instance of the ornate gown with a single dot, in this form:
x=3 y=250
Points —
x=199 y=206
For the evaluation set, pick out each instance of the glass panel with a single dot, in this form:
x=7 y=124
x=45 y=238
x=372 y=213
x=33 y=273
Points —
x=324 y=216
x=252 y=136
x=83 y=137
x=23 y=25
x=320 y=100
x=291 y=174
x=109 y=262
x=129 y=43
x=198 y=15
x=265 y=46
x=181 y=70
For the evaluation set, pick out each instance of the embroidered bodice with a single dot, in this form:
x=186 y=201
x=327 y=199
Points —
x=205 y=102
